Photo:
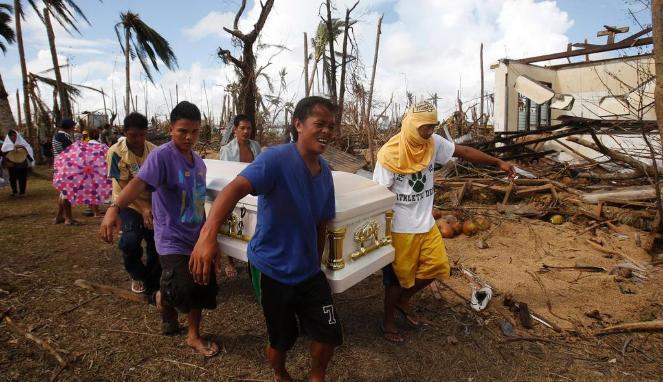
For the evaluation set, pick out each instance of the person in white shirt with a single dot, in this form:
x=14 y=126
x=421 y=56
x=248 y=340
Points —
x=406 y=166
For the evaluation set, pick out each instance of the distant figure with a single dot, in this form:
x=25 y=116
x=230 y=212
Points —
x=77 y=133
x=240 y=149
x=106 y=135
x=61 y=140
x=93 y=139
x=17 y=157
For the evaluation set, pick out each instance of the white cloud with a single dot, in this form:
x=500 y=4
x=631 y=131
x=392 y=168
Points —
x=211 y=26
x=429 y=46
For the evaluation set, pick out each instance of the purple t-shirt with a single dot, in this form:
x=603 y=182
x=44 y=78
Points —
x=178 y=198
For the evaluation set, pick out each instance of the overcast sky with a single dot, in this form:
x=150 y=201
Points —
x=427 y=46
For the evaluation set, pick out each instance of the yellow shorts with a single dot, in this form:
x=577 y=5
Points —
x=419 y=256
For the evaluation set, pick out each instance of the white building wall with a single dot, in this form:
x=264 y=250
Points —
x=587 y=83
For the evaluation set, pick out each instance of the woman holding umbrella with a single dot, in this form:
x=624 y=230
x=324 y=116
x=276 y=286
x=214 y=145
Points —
x=80 y=174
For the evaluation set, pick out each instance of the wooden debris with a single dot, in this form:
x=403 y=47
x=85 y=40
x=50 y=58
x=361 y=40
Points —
x=101 y=288
x=31 y=337
x=646 y=326
x=577 y=267
x=621 y=255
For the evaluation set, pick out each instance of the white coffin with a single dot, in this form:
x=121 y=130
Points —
x=359 y=239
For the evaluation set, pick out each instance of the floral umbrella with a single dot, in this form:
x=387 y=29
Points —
x=80 y=174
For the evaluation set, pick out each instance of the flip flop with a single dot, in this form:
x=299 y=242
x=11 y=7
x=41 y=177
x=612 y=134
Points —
x=208 y=345
x=391 y=336
x=410 y=318
x=73 y=222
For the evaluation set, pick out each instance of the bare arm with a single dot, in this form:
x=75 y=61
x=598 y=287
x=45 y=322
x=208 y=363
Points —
x=129 y=194
x=475 y=156
x=206 y=249
x=140 y=203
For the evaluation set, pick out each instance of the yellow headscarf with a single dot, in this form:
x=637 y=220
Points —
x=407 y=152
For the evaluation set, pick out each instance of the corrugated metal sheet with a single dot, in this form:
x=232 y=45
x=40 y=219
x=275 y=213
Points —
x=342 y=161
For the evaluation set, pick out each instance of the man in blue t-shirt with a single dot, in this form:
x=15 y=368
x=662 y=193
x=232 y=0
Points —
x=175 y=175
x=295 y=202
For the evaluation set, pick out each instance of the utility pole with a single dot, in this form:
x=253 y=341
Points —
x=369 y=132
x=307 y=90
x=482 y=91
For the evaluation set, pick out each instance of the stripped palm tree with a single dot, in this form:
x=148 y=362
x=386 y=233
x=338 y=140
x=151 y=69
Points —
x=65 y=12
x=141 y=41
x=320 y=44
x=7 y=37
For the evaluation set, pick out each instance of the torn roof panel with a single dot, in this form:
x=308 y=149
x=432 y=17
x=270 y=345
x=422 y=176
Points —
x=534 y=90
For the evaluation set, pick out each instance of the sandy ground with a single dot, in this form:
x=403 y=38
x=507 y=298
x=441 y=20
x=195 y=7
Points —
x=104 y=338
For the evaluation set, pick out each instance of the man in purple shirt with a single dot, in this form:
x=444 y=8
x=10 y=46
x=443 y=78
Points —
x=176 y=177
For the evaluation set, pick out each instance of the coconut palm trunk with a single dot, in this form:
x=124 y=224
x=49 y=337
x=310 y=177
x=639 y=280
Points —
x=127 y=61
x=65 y=108
x=24 y=69
x=6 y=117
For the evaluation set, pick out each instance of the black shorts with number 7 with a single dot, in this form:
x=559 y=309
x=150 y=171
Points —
x=309 y=302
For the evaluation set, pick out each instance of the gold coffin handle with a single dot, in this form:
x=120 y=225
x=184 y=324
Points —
x=377 y=243
x=335 y=255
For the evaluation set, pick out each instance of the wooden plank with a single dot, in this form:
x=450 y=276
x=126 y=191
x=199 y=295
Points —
x=529 y=190
x=627 y=43
x=507 y=194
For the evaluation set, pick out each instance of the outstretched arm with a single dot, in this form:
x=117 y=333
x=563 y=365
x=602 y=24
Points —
x=111 y=219
x=475 y=156
x=206 y=249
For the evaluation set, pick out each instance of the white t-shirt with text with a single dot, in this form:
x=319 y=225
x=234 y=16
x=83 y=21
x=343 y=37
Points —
x=415 y=193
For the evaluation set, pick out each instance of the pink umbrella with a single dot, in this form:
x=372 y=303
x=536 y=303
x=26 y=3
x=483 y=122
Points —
x=80 y=173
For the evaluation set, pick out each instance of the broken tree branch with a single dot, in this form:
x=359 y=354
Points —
x=239 y=14
x=598 y=146
x=647 y=326
x=101 y=288
x=41 y=343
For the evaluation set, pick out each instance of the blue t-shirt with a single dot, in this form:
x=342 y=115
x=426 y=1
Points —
x=178 y=198
x=291 y=203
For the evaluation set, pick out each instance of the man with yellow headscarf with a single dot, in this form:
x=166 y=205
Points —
x=405 y=165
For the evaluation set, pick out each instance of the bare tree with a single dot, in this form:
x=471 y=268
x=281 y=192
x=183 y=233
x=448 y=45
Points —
x=246 y=64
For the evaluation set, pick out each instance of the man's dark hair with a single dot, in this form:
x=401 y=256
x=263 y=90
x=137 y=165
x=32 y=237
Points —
x=67 y=124
x=185 y=110
x=135 y=121
x=303 y=110
x=239 y=118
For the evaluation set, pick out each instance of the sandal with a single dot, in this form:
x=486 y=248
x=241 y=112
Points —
x=209 y=348
x=391 y=336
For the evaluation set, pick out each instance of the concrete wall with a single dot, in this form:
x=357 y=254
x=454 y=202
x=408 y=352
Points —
x=506 y=96
x=587 y=83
